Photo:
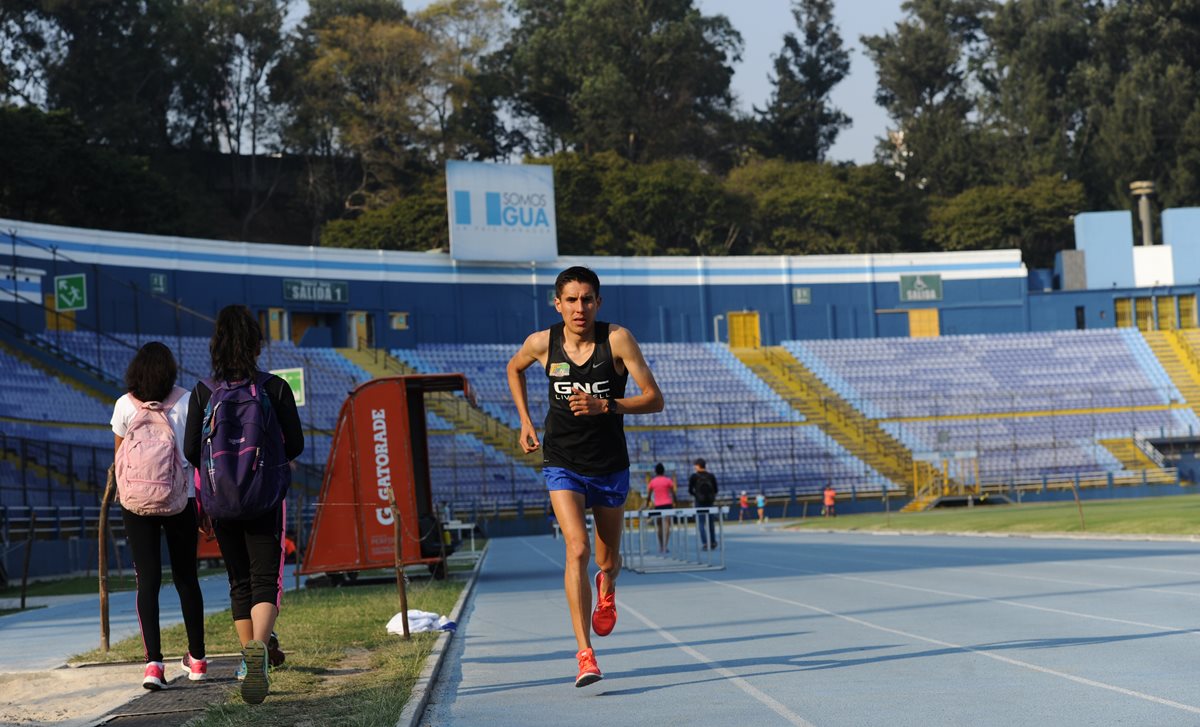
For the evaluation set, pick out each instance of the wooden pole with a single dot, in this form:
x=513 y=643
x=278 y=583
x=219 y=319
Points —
x=102 y=547
x=1079 y=505
x=28 y=555
x=400 y=588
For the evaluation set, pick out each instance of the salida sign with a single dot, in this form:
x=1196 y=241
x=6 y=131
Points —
x=374 y=458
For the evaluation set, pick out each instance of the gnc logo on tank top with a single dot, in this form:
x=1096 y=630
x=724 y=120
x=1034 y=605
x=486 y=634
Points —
x=564 y=389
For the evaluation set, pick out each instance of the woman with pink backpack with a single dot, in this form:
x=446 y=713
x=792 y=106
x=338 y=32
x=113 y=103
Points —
x=157 y=499
x=243 y=431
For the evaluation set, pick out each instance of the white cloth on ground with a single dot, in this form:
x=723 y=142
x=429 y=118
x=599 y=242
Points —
x=419 y=621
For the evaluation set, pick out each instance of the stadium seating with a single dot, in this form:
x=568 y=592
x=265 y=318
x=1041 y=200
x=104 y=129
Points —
x=716 y=409
x=1029 y=405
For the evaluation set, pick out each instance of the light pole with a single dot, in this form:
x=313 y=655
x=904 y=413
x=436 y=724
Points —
x=1143 y=190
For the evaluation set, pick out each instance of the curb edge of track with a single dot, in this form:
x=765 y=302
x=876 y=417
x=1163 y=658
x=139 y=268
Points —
x=414 y=709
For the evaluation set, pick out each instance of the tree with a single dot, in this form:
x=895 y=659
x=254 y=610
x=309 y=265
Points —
x=53 y=175
x=415 y=221
x=800 y=123
x=26 y=39
x=810 y=208
x=606 y=205
x=389 y=89
x=648 y=80
x=1033 y=72
x=1035 y=218
x=118 y=68
x=1142 y=83
x=464 y=33
x=367 y=78
x=225 y=90
x=924 y=85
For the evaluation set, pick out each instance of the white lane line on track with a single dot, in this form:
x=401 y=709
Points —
x=1080 y=563
x=948 y=644
x=740 y=683
x=737 y=681
x=970 y=597
x=1017 y=576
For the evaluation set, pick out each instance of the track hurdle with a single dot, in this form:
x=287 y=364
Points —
x=639 y=544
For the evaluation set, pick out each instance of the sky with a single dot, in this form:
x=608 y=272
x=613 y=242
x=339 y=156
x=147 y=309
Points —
x=762 y=24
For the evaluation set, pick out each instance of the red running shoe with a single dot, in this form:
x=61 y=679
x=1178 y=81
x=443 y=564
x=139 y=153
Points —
x=604 y=617
x=196 y=669
x=154 y=678
x=589 y=673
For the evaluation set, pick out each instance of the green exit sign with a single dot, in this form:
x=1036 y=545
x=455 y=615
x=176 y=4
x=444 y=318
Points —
x=294 y=379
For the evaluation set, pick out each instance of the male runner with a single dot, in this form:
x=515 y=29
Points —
x=585 y=459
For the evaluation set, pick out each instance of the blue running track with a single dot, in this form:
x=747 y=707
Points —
x=843 y=629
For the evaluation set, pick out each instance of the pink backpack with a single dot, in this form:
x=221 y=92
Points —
x=150 y=474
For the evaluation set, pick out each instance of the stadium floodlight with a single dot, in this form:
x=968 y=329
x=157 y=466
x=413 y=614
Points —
x=1143 y=190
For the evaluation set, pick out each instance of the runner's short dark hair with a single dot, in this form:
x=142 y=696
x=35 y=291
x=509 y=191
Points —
x=659 y=469
x=576 y=274
x=699 y=462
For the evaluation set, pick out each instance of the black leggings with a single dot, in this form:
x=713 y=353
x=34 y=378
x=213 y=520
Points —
x=142 y=531
x=253 y=554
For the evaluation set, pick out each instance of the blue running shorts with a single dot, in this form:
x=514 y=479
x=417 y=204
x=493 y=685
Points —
x=603 y=491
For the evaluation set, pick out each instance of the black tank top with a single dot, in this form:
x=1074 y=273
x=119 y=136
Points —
x=588 y=445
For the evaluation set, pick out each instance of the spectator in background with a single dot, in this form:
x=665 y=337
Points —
x=702 y=486
x=830 y=501
x=289 y=547
x=661 y=493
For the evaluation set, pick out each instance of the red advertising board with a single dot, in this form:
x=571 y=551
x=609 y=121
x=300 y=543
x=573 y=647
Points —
x=379 y=452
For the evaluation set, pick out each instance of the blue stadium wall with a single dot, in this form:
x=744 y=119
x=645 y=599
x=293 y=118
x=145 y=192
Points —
x=676 y=299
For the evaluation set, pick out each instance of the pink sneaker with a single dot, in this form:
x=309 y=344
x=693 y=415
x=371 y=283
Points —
x=154 y=678
x=196 y=669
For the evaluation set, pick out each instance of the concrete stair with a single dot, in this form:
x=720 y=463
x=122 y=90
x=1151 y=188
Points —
x=1131 y=457
x=466 y=418
x=1179 y=358
x=822 y=406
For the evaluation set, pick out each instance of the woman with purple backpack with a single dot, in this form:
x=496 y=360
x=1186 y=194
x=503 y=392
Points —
x=243 y=431
x=156 y=499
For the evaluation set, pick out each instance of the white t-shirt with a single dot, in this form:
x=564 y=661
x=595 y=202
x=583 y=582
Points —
x=124 y=410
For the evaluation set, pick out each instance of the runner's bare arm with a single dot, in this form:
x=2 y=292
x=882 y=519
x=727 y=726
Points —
x=536 y=349
x=626 y=351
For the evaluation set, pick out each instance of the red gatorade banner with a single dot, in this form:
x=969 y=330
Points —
x=371 y=459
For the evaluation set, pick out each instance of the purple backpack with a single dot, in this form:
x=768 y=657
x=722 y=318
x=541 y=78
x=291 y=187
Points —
x=244 y=471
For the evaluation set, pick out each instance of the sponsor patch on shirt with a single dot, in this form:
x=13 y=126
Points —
x=560 y=369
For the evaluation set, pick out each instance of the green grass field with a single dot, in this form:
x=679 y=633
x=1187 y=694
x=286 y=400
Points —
x=318 y=629
x=1172 y=515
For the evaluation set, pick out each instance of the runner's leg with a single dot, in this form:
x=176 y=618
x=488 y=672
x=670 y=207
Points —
x=609 y=523
x=568 y=510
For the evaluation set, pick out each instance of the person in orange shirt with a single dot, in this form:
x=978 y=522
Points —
x=744 y=504
x=830 y=501
x=289 y=548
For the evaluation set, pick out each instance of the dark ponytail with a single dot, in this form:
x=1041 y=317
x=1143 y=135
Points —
x=235 y=345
